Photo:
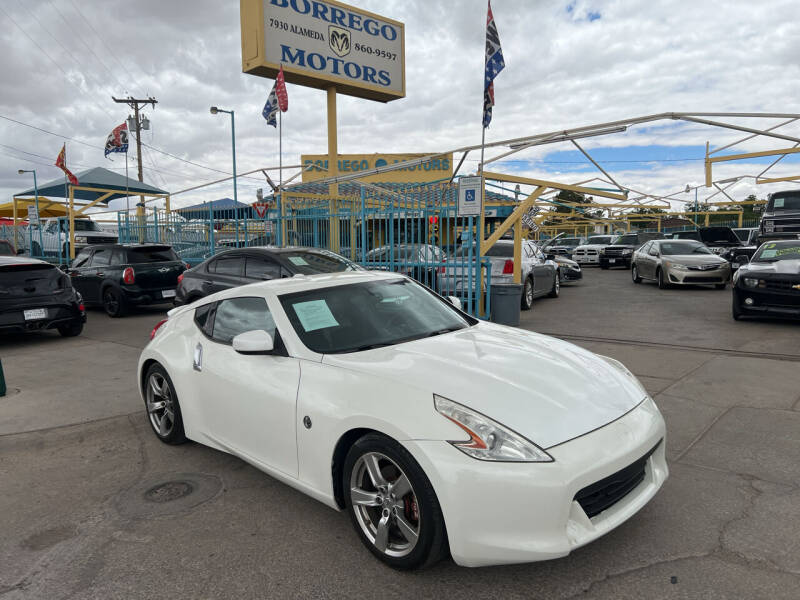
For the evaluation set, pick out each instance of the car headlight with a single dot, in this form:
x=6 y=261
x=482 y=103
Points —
x=625 y=371
x=674 y=265
x=627 y=251
x=80 y=239
x=750 y=282
x=488 y=439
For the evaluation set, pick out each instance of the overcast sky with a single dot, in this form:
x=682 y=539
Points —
x=567 y=64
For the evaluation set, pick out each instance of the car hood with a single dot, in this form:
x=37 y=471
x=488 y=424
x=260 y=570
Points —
x=566 y=262
x=719 y=236
x=546 y=389
x=592 y=246
x=786 y=267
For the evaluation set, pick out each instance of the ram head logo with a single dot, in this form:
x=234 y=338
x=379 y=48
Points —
x=339 y=40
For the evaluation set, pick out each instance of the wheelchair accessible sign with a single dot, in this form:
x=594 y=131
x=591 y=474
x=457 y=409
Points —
x=469 y=196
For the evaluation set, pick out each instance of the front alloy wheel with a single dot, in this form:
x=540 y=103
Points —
x=527 y=294
x=162 y=406
x=635 y=274
x=392 y=504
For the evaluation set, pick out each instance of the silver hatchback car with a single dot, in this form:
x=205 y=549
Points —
x=679 y=262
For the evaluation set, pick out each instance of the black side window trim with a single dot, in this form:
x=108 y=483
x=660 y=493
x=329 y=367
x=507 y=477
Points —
x=279 y=348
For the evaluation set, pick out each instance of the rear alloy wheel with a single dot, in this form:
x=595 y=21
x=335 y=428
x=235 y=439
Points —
x=556 y=289
x=114 y=303
x=527 y=294
x=161 y=403
x=635 y=274
x=662 y=283
x=71 y=329
x=392 y=504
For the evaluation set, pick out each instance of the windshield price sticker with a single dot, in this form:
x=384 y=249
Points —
x=298 y=260
x=314 y=315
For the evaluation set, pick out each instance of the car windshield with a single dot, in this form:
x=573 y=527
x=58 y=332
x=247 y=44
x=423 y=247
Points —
x=86 y=226
x=681 y=248
x=151 y=255
x=786 y=201
x=600 y=239
x=312 y=263
x=775 y=251
x=627 y=240
x=362 y=316
x=568 y=242
x=687 y=235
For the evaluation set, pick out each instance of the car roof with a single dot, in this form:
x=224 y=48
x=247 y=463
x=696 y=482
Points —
x=129 y=246
x=6 y=261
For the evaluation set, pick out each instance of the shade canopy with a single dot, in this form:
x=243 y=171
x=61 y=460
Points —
x=95 y=178
x=224 y=208
x=47 y=208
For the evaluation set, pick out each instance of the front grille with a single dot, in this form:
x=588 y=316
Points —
x=603 y=494
x=613 y=251
x=704 y=267
x=101 y=240
x=716 y=279
x=784 y=285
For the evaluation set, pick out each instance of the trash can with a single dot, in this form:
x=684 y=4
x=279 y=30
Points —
x=505 y=303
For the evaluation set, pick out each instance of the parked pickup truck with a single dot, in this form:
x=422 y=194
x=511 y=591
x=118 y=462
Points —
x=538 y=272
x=781 y=218
x=117 y=276
x=55 y=237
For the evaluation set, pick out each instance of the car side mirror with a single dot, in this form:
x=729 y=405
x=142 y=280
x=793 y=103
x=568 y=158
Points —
x=20 y=251
x=455 y=301
x=256 y=341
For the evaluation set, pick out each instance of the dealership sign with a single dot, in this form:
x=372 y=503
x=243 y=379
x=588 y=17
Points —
x=324 y=43
x=315 y=166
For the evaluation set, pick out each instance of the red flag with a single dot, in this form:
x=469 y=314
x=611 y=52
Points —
x=61 y=163
x=280 y=91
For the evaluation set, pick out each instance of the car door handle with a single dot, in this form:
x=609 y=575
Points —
x=100 y=274
x=197 y=363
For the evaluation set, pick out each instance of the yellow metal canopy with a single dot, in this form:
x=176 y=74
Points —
x=47 y=208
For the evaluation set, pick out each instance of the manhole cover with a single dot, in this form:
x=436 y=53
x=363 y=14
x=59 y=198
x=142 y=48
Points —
x=169 y=491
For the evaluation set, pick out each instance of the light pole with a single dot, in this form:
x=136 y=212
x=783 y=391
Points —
x=214 y=110
x=689 y=189
x=36 y=200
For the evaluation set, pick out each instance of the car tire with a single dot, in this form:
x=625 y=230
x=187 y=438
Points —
x=114 y=303
x=662 y=283
x=556 y=289
x=375 y=464
x=71 y=329
x=36 y=250
x=162 y=407
x=635 y=274
x=526 y=303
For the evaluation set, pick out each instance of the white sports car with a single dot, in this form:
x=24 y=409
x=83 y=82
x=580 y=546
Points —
x=436 y=432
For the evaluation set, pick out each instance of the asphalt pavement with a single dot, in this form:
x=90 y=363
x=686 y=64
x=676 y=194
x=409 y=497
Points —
x=94 y=506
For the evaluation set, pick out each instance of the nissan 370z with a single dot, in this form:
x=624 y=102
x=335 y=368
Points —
x=437 y=433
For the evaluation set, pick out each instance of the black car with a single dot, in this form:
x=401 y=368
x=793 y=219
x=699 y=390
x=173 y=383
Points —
x=722 y=241
x=37 y=295
x=568 y=270
x=247 y=265
x=781 y=216
x=118 y=276
x=620 y=252
x=770 y=283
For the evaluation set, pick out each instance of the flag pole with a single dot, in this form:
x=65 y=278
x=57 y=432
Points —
x=127 y=199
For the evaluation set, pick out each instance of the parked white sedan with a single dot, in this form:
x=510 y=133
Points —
x=436 y=432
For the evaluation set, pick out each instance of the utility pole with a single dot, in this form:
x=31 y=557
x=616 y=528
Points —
x=134 y=104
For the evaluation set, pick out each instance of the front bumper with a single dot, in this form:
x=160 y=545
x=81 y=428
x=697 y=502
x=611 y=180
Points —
x=615 y=261
x=767 y=302
x=690 y=277
x=586 y=259
x=502 y=513
x=140 y=297
x=570 y=274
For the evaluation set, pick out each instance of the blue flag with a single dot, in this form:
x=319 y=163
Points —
x=494 y=64
x=271 y=107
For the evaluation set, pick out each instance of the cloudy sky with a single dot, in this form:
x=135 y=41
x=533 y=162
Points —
x=568 y=64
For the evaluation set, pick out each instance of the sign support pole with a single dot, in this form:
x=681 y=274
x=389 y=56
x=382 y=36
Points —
x=333 y=170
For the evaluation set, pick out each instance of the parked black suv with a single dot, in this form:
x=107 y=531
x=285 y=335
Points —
x=248 y=265
x=36 y=295
x=117 y=276
x=620 y=252
x=781 y=218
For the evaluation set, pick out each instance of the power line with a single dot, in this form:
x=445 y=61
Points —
x=111 y=53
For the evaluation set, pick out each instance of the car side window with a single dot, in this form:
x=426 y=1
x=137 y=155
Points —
x=82 y=260
x=118 y=257
x=528 y=251
x=259 y=268
x=237 y=315
x=102 y=257
x=227 y=266
x=204 y=318
x=653 y=250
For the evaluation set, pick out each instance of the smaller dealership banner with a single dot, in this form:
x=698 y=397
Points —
x=469 y=196
x=323 y=43
x=427 y=172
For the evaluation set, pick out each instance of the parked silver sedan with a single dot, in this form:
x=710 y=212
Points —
x=679 y=262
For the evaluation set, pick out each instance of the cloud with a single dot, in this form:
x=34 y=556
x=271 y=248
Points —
x=568 y=64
